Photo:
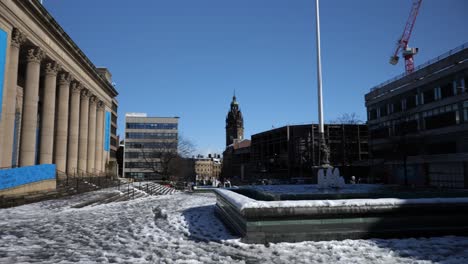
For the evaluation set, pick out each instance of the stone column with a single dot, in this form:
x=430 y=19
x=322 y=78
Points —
x=48 y=113
x=105 y=153
x=99 y=136
x=9 y=100
x=30 y=107
x=61 y=127
x=91 y=135
x=74 y=124
x=83 y=136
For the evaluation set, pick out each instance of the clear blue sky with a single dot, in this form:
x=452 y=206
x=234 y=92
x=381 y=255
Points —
x=185 y=58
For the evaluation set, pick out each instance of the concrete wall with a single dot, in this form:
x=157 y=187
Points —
x=294 y=221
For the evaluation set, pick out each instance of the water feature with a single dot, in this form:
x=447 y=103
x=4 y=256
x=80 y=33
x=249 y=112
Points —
x=333 y=210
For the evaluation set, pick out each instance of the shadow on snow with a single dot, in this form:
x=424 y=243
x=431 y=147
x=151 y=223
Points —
x=203 y=225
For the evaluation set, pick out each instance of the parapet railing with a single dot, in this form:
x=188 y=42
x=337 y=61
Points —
x=427 y=63
x=82 y=182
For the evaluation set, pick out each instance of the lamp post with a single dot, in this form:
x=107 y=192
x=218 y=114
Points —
x=324 y=151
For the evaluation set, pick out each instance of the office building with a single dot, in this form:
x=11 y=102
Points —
x=418 y=124
x=150 y=146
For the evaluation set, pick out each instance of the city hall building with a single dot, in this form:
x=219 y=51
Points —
x=56 y=106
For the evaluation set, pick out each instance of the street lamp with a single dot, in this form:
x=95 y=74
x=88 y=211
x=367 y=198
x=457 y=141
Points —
x=324 y=151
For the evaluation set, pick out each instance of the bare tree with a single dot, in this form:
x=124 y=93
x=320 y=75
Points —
x=164 y=158
x=348 y=119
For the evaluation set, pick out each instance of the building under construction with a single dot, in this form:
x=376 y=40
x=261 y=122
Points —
x=293 y=151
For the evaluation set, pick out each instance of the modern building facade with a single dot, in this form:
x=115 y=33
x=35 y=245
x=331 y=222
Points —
x=149 y=142
x=418 y=124
x=234 y=123
x=293 y=151
x=55 y=104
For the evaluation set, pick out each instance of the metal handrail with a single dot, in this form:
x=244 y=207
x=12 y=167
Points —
x=427 y=63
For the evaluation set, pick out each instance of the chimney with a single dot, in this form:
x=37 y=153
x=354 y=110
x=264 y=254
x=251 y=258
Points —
x=105 y=73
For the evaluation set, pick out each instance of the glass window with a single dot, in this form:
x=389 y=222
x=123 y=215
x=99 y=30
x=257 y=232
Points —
x=441 y=120
x=446 y=90
x=429 y=96
x=169 y=126
x=465 y=111
x=411 y=101
x=383 y=111
x=152 y=145
x=151 y=135
x=372 y=114
x=397 y=106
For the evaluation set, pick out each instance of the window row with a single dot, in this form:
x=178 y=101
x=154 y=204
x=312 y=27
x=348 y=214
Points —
x=440 y=110
x=142 y=175
x=436 y=118
x=414 y=99
x=151 y=135
x=144 y=165
x=171 y=126
x=143 y=155
x=152 y=145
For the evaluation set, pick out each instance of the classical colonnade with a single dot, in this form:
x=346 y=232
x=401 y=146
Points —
x=71 y=127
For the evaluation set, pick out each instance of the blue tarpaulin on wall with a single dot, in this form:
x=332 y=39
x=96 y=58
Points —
x=3 y=50
x=107 y=131
x=10 y=178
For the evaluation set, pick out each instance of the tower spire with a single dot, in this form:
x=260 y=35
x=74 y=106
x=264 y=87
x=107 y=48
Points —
x=234 y=123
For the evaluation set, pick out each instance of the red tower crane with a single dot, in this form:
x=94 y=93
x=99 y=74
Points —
x=402 y=44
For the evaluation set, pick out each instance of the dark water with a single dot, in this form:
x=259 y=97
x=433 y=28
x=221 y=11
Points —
x=357 y=191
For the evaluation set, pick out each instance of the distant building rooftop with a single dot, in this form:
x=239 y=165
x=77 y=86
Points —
x=245 y=143
x=136 y=114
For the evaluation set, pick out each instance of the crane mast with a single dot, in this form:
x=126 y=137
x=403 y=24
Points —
x=402 y=44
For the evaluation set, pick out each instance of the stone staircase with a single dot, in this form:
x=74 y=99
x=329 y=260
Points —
x=130 y=191
x=126 y=191
x=153 y=188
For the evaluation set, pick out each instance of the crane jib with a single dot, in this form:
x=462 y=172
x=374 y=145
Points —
x=402 y=45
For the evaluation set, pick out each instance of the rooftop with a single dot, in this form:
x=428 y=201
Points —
x=445 y=61
x=54 y=28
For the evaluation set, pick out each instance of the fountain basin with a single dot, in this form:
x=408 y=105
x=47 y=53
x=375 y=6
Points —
x=319 y=219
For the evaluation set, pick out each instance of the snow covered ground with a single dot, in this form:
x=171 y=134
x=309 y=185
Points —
x=181 y=228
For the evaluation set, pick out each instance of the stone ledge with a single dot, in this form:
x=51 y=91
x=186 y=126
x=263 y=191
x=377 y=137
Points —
x=285 y=221
x=46 y=185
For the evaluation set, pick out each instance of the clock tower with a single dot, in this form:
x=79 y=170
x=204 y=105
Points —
x=234 y=123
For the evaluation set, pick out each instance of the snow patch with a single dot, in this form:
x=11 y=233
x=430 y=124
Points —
x=127 y=232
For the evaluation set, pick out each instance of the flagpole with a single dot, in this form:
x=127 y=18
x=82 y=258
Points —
x=324 y=152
